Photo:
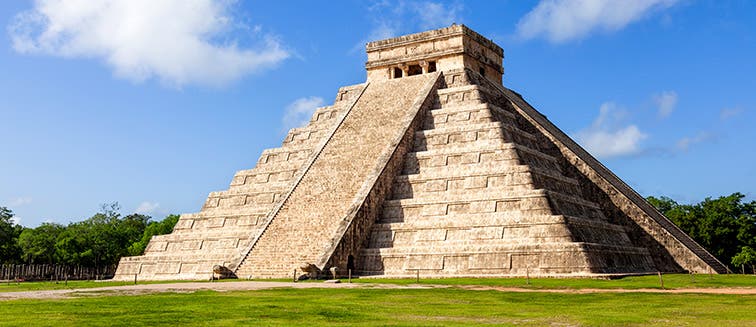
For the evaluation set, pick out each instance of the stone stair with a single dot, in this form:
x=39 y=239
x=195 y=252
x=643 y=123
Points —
x=304 y=229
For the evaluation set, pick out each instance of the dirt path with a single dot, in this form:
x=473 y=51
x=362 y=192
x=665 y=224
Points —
x=257 y=285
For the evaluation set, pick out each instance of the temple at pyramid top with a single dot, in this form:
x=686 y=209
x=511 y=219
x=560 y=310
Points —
x=446 y=49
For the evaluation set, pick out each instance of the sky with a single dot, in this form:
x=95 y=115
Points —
x=154 y=104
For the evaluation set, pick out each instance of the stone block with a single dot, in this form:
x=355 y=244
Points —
x=425 y=262
x=489 y=261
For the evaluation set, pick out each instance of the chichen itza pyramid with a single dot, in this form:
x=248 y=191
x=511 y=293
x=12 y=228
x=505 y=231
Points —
x=430 y=166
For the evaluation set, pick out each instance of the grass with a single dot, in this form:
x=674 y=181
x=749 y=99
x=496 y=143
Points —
x=671 y=281
x=71 y=284
x=396 y=307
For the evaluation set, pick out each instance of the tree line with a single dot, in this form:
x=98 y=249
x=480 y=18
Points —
x=97 y=241
x=725 y=226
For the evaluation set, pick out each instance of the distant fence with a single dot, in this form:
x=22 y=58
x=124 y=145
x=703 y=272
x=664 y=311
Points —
x=54 y=272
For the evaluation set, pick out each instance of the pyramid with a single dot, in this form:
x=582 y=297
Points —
x=434 y=167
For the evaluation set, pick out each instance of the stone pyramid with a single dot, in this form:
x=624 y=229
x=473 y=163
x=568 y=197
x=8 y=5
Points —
x=431 y=166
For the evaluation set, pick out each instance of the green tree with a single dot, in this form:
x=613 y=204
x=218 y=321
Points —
x=129 y=230
x=38 y=244
x=10 y=252
x=724 y=226
x=70 y=246
x=746 y=257
x=162 y=227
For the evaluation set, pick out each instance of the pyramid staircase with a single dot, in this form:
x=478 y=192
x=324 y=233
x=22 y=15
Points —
x=313 y=217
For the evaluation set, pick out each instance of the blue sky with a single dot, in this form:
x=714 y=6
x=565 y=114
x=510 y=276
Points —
x=154 y=104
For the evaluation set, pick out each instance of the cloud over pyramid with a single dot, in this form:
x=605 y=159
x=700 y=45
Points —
x=431 y=165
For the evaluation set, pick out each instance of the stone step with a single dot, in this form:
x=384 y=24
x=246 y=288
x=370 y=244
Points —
x=462 y=114
x=285 y=155
x=458 y=115
x=442 y=188
x=570 y=205
x=248 y=210
x=483 y=175
x=208 y=234
x=504 y=154
x=270 y=169
x=481 y=178
x=455 y=96
x=534 y=202
x=441 y=232
x=159 y=268
x=539 y=195
x=272 y=186
x=325 y=115
x=465 y=135
x=520 y=259
x=512 y=218
x=346 y=94
x=242 y=199
x=201 y=249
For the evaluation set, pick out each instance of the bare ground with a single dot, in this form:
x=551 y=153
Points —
x=260 y=285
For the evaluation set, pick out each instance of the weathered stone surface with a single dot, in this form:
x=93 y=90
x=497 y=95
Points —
x=329 y=192
x=447 y=173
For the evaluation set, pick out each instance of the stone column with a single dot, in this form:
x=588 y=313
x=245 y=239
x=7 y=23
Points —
x=424 y=65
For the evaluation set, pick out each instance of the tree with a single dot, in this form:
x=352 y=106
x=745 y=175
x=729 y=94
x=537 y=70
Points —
x=129 y=230
x=746 y=257
x=724 y=226
x=70 y=246
x=10 y=252
x=38 y=244
x=164 y=226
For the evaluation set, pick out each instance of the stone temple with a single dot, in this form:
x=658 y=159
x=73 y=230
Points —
x=430 y=166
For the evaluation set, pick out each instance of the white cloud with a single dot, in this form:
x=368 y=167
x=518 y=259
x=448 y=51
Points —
x=666 y=103
x=607 y=138
x=20 y=201
x=147 y=208
x=728 y=113
x=177 y=41
x=435 y=14
x=391 y=18
x=565 y=20
x=298 y=113
x=686 y=142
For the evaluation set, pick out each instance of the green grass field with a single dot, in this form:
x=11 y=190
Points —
x=380 y=307
x=388 y=306
x=71 y=284
x=671 y=281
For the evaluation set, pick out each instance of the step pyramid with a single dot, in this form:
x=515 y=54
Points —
x=434 y=167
